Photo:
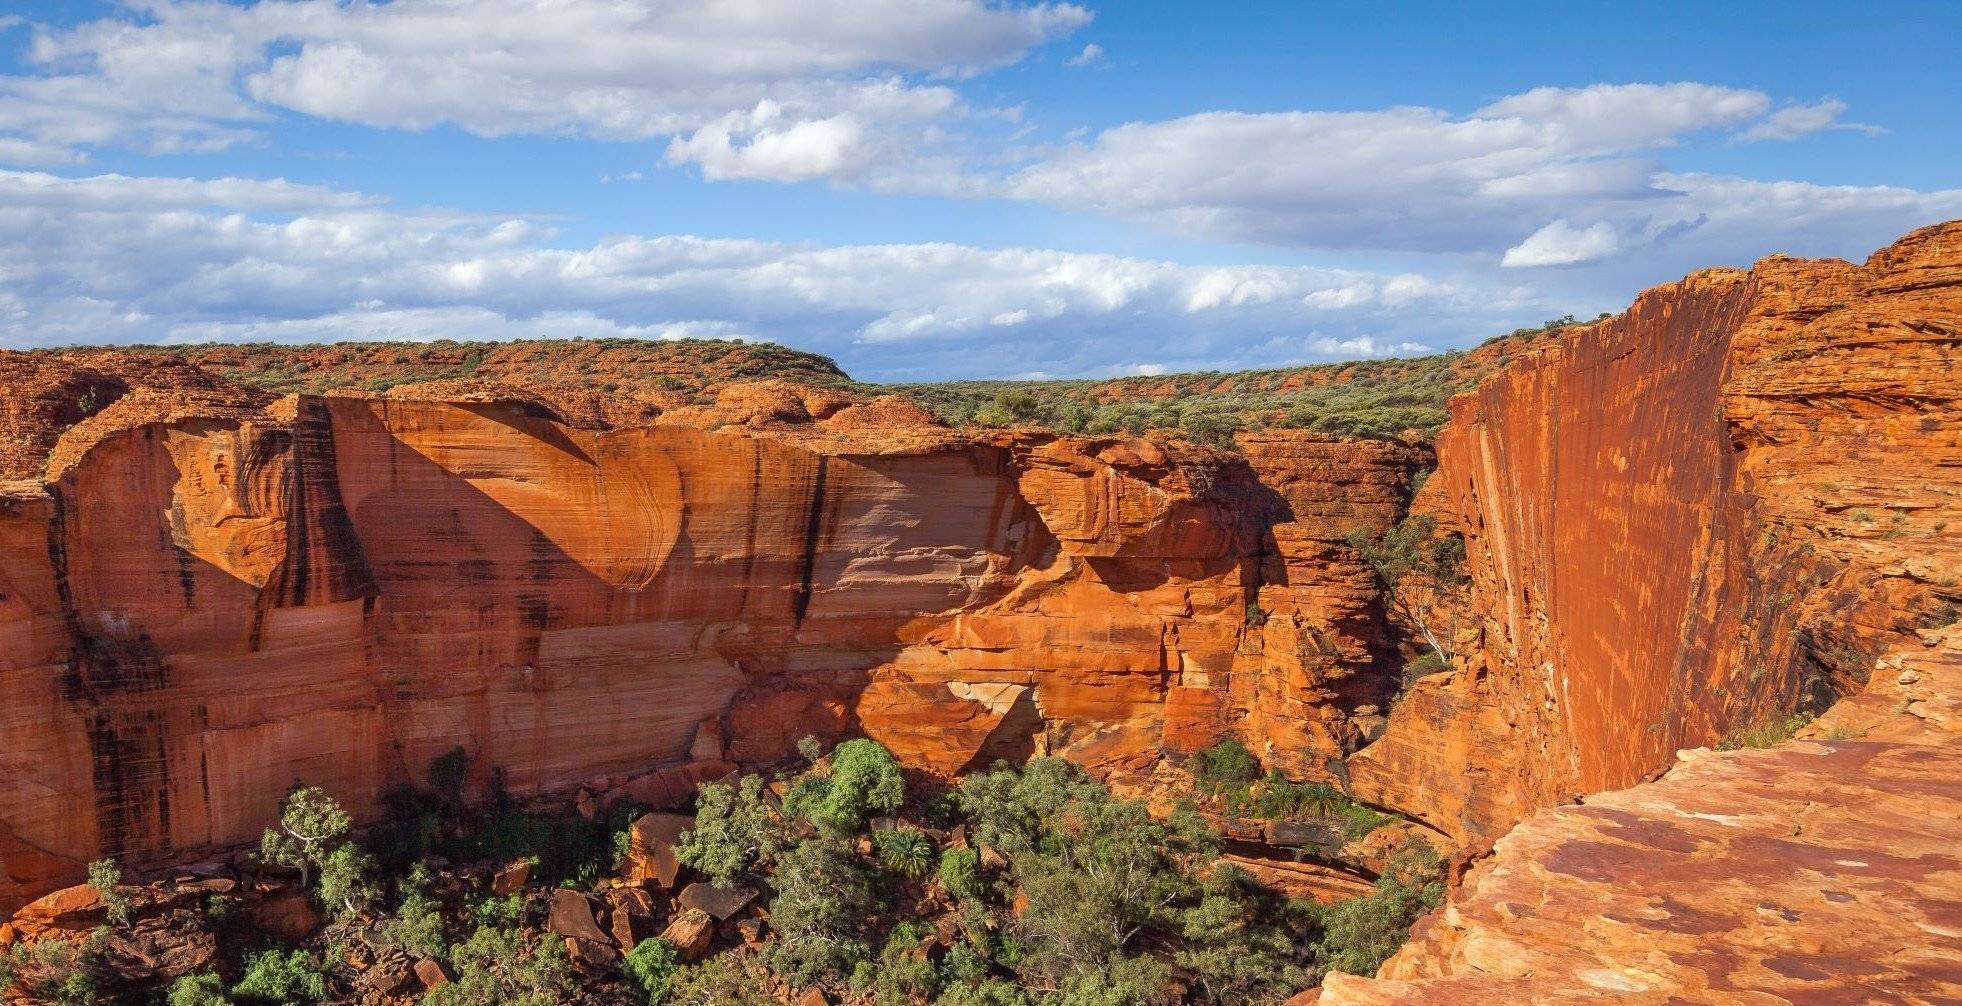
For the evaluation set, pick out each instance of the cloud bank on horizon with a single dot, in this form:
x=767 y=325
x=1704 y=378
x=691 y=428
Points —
x=145 y=150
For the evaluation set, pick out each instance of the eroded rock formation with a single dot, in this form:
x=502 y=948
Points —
x=212 y=596
x=1825 y=870
x=1723 y=503
x=1784 y=445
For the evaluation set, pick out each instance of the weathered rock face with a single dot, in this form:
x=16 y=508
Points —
x=206 y=601
x=1724 y=501
x=1821 y=871
x=1809 y=507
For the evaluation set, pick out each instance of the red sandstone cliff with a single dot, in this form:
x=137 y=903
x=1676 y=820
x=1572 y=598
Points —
x=1825 y=870
x=1727 y=500
x=1741 y=494
x=210 y=594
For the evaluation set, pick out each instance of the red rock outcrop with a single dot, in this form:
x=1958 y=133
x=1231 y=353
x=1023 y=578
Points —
x=210 y=597
x=1825 y=870
x=1790 y=448
x=1723 y=502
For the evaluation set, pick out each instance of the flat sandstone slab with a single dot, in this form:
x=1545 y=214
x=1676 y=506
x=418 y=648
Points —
x=1819 y=871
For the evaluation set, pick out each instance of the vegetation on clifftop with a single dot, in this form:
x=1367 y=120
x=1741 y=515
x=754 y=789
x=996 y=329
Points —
x=1364 y=398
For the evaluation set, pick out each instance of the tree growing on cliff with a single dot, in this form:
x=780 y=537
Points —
x=1410 y=554
x=314 y=837
x=107 y=879
x=1359 y=934
x=311 y=825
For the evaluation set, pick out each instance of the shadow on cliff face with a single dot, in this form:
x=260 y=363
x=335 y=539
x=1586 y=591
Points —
x=516 y=595
x=135 y=597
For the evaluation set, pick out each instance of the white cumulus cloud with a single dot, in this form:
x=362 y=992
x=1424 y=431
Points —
x=174 y=75
x=1794 y=121
x=1561 y=243
x=114 y=258
x=1552 y=176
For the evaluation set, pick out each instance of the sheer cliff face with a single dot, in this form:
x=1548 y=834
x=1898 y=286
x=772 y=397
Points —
x=209 y=600
x=1729 y=499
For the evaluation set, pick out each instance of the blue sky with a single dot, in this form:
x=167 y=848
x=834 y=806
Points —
x=941 y=188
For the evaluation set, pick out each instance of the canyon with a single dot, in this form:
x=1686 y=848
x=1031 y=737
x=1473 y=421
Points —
x=1739 y=498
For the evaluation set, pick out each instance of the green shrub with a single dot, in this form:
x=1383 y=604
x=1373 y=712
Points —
x=347 y=881
x=565 y=846
x=292 y=977
x=904 y=851
x=735 y=831
x=865 y=779
x=985 y=992
x=107 y=878
x=1096 y=871
x=1225 y=767
x=1765 y=733
x=824 y=897
x=1238 y=941
x=1214 y=429
x=1425 y=665
x=722 y=981
x=651 y=968
x=497 y=913
x=960 y=874
x=202 y=989
x=417 y=926
x=1358 y=935
x=56 y=971
x=497 y=967
x=901 y=976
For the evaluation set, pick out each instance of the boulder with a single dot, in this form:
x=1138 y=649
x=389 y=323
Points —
x=1326 y=836
x=512 y=878
x=288 y=914
x=669 y=788
x=63 y=913
x=430 y=973
x=651 y=843
x=631 y=900
x=691 y=933
x=708 y=743
x=629 y=929
x=572 y=916
x=392 y=977
x=721 y=902
x=592 y=954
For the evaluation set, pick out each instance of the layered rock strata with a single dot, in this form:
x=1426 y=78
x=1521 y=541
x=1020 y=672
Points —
x=1716 y=507
x=1825 y=870
x=208 y=598
x=1785 y=443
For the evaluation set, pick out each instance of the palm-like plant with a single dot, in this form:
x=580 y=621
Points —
x=904 y=851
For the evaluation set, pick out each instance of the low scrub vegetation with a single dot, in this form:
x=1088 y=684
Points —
x=1230 y=775
x=1363 y=398
x=1034 y=886
x=1766 y=733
